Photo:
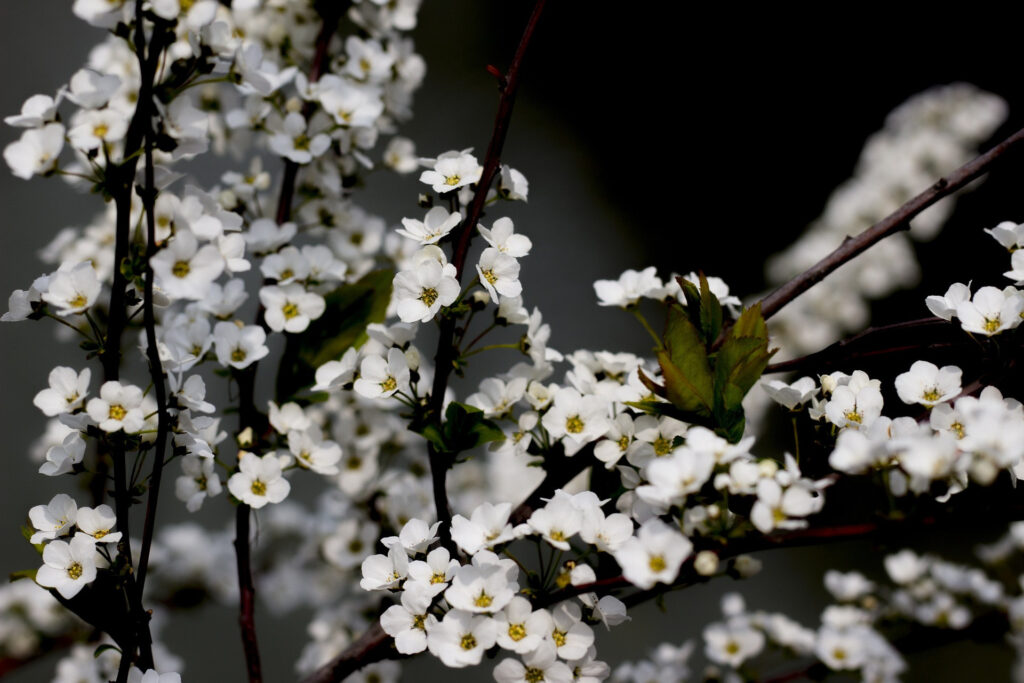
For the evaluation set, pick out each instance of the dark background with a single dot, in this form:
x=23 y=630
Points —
x=651 y=136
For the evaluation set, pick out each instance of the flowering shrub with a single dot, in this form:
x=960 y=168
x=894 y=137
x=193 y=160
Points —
x=515 y=516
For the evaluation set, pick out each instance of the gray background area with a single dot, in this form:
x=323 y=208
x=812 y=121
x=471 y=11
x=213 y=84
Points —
x=648 y=138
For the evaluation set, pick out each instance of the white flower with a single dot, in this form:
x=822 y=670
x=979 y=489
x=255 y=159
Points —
x=60 y=458
x=36 y=151
x=152 y=675
x=732 y=643
x=654 y=555
x=571 y=637
x=265 y=235
x=945 y=306
x=433 y=574
x=487 y=527
x=237 y=346
x=66 y=393
x=502 y=237
x=991 y=311
x=855 y=409
x=1008 y=234
x=409 y=622
x=579 y=419
x=197 y=482
x=1017 y=265
x=291 y=139
x=520 y=628
x=512 y=184
x=539 y=665
x=68 y=567
x=312 y=451
x=90 y=89
x=400 y=155
x=334 y=374
x=499 y=273
x=419 y=293
x=776 y=506
x=53 y=519
x=350 y=104
x=290 y=307
x=259 y=480
x=379 y=378
x=93 y=129
x=350 y=543
x=37 y=111
x=382 y=572
x=676 y=476
x=96 y=523
x=435 y=225
x=118 y=407
x=790 y=395
x=74 y=289
x=451 y=171
x=461 y=638
x=481 y=589
x=286 y=266
x=557 y=522
x=287 y=417
x=926 y=384
x=627 y=290
x=415 y=536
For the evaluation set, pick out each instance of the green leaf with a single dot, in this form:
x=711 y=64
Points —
x=684 y=365
x=662 y=409
x=103 y=648
x=655 y=388
x=710 y=312
x=751 y=324
x=350 y=308
x=465 y=427
x=23 y=574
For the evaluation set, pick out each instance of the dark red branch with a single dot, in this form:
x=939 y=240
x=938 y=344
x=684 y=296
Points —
x=246 y=595
x=445 y=357
x=891 y=224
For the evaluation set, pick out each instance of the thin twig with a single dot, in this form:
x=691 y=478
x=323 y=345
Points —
x=246 y=594
x=249 y=416
x=891 y=224
x=445 y=357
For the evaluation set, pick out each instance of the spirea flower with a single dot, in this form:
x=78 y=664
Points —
x=259 y=481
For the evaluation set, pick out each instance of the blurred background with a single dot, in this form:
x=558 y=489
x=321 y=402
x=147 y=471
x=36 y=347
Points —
x=650 y=136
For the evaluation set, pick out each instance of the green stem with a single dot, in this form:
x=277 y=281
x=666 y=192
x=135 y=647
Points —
x=643 y=321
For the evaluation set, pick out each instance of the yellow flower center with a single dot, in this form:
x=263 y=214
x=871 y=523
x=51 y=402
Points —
x=483 y=600
x=516 y=632
x=558 y=637
x=468 y=642
x=78 y=301
x=419 y=621
x=573 y=424
x=287 y=273
x=623 y=443
x=100 y=130
x=490 y=276
x=957 y=429
x=258 y=488
x=75 y=571
x=533 y=675
x=290 y=310
x=180 y=269
x=662 y=446
x=732 y=647
x=100 y=533
x=238 y=355
x=452 y=180
x=428 y=296
x=657 y=563
x=932 y=395
x=117 y=412
x=853 y=416
x=301 y=142
x=389 y=384
x=438 y=577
